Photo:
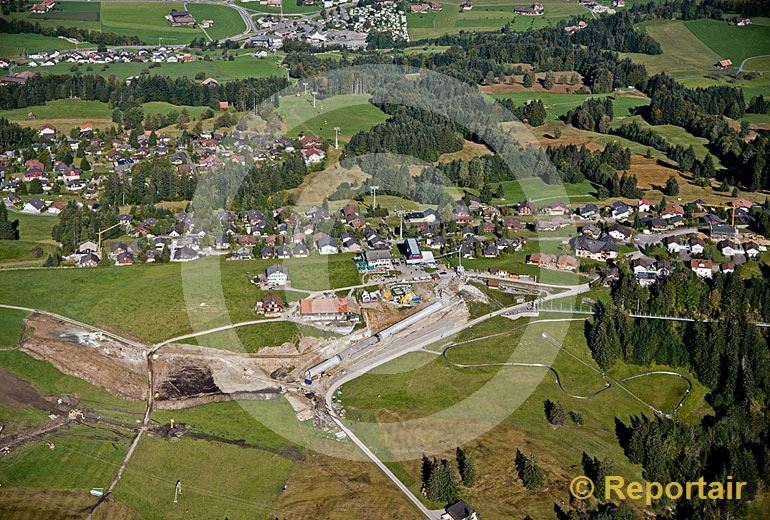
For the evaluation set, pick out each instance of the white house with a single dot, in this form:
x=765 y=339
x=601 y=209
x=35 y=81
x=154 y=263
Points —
x=277 y=274
x=327 y=246
x=34 y=206
x=703 y=268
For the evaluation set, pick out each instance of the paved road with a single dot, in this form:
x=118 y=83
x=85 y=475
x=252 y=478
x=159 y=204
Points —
x=743 y=63
x=421 y=339
x=652 y=238
x=107 y=333
x=418 y=341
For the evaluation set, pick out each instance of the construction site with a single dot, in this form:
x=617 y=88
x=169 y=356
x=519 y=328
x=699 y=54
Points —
x=180 y=375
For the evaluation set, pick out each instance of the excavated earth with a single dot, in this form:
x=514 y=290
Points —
x=118 y=367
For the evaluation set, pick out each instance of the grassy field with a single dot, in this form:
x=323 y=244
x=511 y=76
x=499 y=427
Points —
x=34 y=231
x=534 y=189
x=61 y=109
x=13 y=45
x=84 y=458
x=162 y=107
x=491 y=15
x=254 y=337
x=557 y=105
x=299 y=110
x=107 y=296
x=675 y=135
x=731 y=41
x=759 y=64
x=227 y=21
x=34 y=228
x=421 y=384
x=84 y=15
x=11 y=327
x=67 y=113
x=233 y=481
x=350 y=120
x=23 y=253
x=143 y=19
x=684 y=57
x=147 y=21
x=247 y=481
x=50 y=382
x=243 y=66
x=289 y=7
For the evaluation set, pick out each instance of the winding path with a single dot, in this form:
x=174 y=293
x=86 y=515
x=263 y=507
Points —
x=743 y=63
x=609 y=381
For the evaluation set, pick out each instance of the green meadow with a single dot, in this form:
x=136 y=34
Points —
x=227 y=21
x=418 y=385
x=491 y=15
x=731 y=41
x=243 y=66
x=107 y=296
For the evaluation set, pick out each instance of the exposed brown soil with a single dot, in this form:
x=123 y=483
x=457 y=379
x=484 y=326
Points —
x=118 y=367
x=380 y=315
x=18 y=393
x=184 y=372
x=188 y=381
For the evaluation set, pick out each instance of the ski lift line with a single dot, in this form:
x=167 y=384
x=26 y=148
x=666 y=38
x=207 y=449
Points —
x=540 y=308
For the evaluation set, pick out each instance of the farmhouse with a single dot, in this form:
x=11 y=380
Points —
x=542 y=259
x=535 y=10
x=329 y=308
x=271 y=305
x=181 y=18
x=567 y=263
x=459 y=511
x=724 y=64
x=47 y=130
x=327 y=245
x=43 y=7
x=602 y=250
x=88 y=260
x=184 y=254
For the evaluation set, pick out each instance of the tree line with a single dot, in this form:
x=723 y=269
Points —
x=242 y=93
x=532 y=112
x=703 y=171
x=14 y=136
x=151 y=181
x=702 y=112
x=593 y=114
x=576 y=164
x=729 y=355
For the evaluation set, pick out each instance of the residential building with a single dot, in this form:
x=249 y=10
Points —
x=277 y=274
x=329 y=308
x=378 y=259
x=702 y=267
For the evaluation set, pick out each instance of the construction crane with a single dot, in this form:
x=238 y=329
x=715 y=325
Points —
x=101 y=234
